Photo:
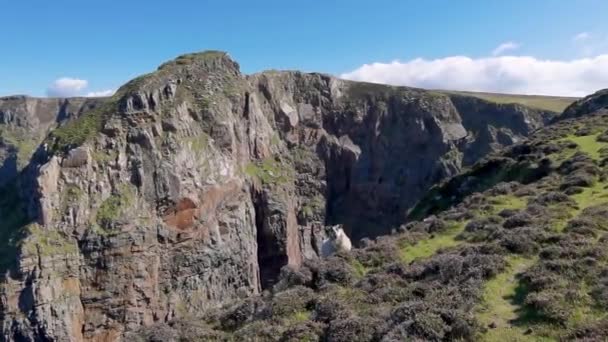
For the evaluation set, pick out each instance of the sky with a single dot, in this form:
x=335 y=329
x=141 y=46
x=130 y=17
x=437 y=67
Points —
x=90 y=48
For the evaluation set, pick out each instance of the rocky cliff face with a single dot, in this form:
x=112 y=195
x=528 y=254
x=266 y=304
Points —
x=24 y=123
x=195 y=184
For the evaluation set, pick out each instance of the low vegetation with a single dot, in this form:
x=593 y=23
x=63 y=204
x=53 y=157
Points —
x=75 y=132
x=23 y=144
x=115 y=206
x=270 y=171
x=429 y=246
x=501 y=303
x=47 y=242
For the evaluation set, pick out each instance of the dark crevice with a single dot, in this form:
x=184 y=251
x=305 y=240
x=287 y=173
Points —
x=270 y=256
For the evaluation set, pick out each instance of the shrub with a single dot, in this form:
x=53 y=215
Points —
x=518 y=220
x=293 y=300
x=352 y=329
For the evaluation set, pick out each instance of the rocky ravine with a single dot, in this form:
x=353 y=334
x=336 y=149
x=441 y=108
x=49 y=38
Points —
x=193 y=185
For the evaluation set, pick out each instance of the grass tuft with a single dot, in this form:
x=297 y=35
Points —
x=428 y=247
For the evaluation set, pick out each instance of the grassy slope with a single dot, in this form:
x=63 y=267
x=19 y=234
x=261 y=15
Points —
x=502 y=303
x=450 y=237
x=552 y=103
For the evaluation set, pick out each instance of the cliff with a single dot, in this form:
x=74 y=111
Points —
x=514 y=248
x=194 y=185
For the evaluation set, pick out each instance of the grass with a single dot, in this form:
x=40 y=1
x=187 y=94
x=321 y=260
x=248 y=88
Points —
x=428 y=247
x=104 y=156
x=270 y=171
x=313 y=205
x=595 y=195
x=113 y=207
x=77 y=131
x=552 y=103
x=24 y=145
x=502 y=202
x=360 y=269
x=47 y=242
x=588 y=144
x=591 y=196
x=501 y=304
x=299 y=316
x=355 y=298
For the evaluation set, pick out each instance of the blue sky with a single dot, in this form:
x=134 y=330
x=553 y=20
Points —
x=106 y=43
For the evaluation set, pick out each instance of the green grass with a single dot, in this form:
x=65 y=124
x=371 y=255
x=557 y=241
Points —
x=115 y=205
x=104 y=156
x=588 y=144
x=595 y=195
x=591 y=196
x=300 y=316
x=270 y=171
x=24 y=144
x=500 y=304
x=428 y=247
x=47 y=242
x=75 y=132
x=552 y=103
x=313 y=205
x=502 y=202
x=360 y=269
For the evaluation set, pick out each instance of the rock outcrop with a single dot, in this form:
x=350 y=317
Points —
x=193 y=185
x=593 y=103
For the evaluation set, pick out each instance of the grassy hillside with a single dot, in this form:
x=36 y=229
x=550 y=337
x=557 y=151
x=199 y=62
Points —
x=552 y=103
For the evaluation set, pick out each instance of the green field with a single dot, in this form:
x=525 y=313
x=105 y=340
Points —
x=552 y=103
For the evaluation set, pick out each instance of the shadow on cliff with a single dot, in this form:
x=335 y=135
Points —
x=14 y=217
x=9 y=169
x=381 y=165
x=13 y=220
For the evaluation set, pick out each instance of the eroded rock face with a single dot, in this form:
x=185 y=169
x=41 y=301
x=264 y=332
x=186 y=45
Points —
x=194 y=185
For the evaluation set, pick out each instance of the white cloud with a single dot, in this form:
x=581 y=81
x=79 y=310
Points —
x=66 y=87
x=504 y=47
x=581 y=37
x=101 y=93
x=506 y=74
x=70 y=87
